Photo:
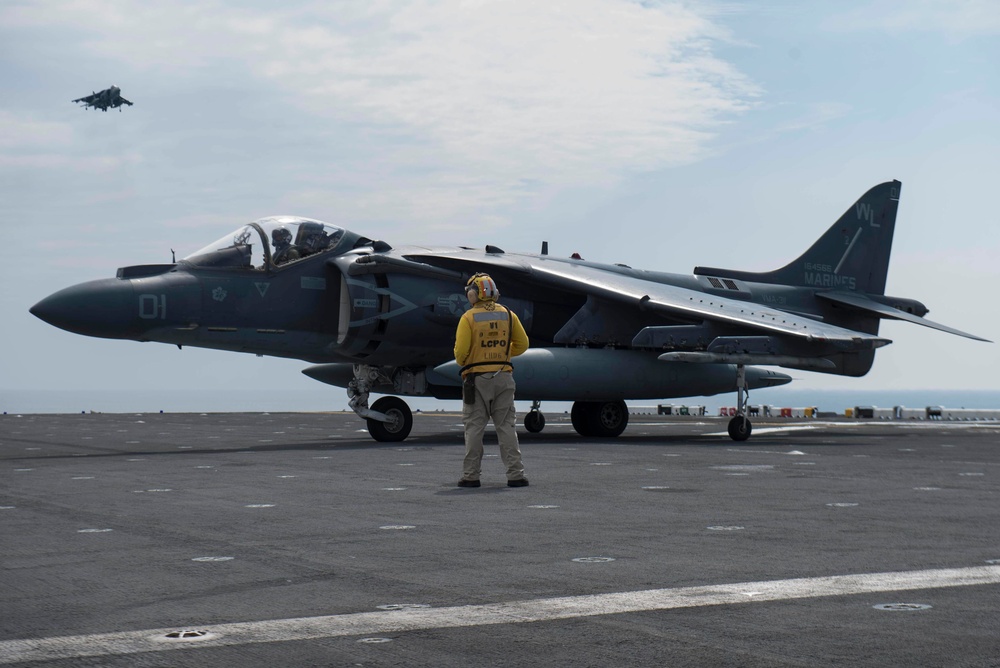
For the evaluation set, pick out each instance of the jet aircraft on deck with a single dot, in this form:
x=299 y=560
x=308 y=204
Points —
x=371 y=317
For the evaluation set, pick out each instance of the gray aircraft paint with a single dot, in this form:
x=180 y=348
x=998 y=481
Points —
x=375 y=318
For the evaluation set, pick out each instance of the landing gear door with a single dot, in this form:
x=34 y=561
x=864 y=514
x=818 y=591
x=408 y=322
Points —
x=344 y=319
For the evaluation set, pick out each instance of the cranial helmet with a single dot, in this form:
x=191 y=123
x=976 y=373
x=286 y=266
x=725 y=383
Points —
x=281 y=236
x=486 y=289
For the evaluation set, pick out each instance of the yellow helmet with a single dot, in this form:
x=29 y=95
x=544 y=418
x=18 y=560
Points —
x=486 y=289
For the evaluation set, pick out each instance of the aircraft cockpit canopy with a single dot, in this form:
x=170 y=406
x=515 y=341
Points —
x=274 y=242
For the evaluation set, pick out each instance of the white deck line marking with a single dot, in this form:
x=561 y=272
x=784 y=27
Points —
x=774 y=430
x=516 y=612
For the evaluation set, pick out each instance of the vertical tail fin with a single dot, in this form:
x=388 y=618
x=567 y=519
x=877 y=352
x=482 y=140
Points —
x=852 y=255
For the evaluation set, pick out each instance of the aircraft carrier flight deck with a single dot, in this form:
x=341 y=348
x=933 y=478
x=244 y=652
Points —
x=294 y=539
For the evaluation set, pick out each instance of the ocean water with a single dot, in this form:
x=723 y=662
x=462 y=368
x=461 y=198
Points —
x=335 y=399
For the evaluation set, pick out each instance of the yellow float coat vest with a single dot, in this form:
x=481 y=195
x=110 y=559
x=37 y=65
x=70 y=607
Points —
x=490 y=344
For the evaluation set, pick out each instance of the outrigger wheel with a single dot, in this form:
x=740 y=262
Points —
x=739 y=426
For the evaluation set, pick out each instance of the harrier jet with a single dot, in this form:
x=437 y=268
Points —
x=372 y=317
x=109 y=97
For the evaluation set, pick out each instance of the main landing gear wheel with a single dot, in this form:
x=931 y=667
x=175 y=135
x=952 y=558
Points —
x=534 y=421
x=604 y=419
x=399 y=425
x=580 y=416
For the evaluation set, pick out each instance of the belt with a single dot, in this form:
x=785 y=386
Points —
x=464 y=369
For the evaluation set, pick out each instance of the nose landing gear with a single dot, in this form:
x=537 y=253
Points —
x=389 y=418
x=399 y=424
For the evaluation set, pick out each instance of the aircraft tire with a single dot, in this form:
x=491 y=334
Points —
x=740 y=428
x=602 y=419
x=581 y=415
x=609 y=419
x=391 y=432
x=534 y=421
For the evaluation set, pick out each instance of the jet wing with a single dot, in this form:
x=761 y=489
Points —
x=863 y=303
x=124 y=101
x=614 y=284
x=672 y=300
x=89 y=99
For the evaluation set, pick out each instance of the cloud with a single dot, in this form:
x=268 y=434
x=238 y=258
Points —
x=466 y=106
x=20 y=132
x=29 y=143
x=556 y=91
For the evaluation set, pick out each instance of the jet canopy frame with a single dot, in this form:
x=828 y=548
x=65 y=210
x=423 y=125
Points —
x=269 y=243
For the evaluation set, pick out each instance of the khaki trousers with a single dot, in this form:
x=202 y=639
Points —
x=494 y=400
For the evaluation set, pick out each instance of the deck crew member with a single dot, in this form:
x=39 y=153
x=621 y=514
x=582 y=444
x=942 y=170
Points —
x=488 y=336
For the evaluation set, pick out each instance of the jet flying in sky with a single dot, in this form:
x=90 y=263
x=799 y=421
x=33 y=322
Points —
x=107 y=98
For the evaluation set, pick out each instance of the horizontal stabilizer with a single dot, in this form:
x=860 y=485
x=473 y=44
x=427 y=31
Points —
x=863 y=303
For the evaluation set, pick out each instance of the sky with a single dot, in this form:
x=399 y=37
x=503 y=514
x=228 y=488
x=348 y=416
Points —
x=659 y=134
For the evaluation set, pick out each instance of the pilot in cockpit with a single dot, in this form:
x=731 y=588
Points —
x=283 y=250
x=314 y=239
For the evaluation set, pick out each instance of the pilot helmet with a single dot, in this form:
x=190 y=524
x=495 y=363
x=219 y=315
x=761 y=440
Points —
x=281 y=236
x=485 y=287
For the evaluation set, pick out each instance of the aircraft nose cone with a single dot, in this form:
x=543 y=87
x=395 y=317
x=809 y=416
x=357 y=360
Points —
x=103 y=308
